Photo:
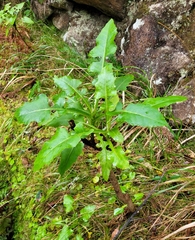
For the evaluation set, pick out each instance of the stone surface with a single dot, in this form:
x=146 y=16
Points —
x=41 y=11
x=157 y=51
x=61 y=20
x=113 y=8
x=185 y=111
x=83 y=30
x=61 y=4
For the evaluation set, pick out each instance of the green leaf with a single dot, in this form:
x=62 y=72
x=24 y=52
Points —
x=142 y=115
x=68 y=203
x=37 y=110
x=113 y=102
x=59 y=99
x=65 y=233
x=87 y=212
x=106 y=162
x=120 y=210
x=52 y=148
x=122 y=82
x=119 y=158
x=78 y=237
x=59 y=119
x=105 y=46
x=67 y=84
x=105 y=88
x=95 y=67
x=69 y=156
x=27 y=20
x=138 y=196
x=105 y=158
x=116 y=135
x=105 y=41
x=160 y=102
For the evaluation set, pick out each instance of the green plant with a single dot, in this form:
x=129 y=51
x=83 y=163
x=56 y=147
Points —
x=93 y=113
x=9 y=15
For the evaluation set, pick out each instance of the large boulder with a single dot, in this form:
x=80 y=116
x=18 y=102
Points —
x=113 y=8
x=160 y=53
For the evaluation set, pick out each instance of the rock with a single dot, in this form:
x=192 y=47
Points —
x=83 y=30
x=112 y=8
x=171 y=12
x=41 y=11
x=61 y=20
x=61 y=4
x=152 y=48
x=185 y=111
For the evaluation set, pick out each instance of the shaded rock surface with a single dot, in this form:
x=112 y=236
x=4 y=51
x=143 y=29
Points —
x=185 y=111
x=113 y=8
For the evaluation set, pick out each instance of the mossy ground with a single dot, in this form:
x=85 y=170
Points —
x=32 y=202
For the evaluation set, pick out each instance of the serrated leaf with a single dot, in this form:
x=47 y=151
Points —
x=142 y=115
x=67 y=84
x=160 y=102
x=37 y=110
x=105 y=162
x=69 y=157
x=87 y=212
x=119 y=158
x=113 y=102
x=52 y=148
x=124 y=81
x=95 y=67
x=59 y=119
x=105 y=158
x=105 y=46
x=105 y=41
x=68 y=203
x=65 y=233
x=116 y=135
x=59 y=99
x=105 y=86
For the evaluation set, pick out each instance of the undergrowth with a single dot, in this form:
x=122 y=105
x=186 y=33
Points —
x=36 y=205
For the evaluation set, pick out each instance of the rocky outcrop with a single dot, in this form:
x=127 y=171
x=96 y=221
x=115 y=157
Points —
x=83 y=30
x=113 y=8
x=152 y=48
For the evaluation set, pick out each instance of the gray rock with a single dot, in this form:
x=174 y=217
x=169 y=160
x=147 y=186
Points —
x=185 y=111
x=83 y=30
x=41 y=10
x=112 y=8
x=61 y=20
x=157 y=51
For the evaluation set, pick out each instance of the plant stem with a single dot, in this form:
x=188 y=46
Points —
x=123 y=197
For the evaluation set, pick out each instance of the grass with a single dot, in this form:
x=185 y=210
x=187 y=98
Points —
x=32 y=203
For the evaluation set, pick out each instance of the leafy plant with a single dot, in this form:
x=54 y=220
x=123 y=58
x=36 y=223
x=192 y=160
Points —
x=92 y=114
x=9 y=15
